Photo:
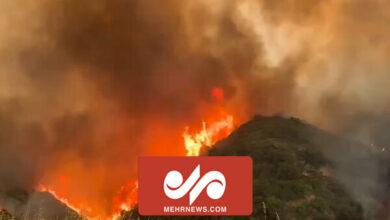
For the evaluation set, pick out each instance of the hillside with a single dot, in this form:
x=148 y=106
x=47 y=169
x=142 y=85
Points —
x=35 y=206
x=300 y=171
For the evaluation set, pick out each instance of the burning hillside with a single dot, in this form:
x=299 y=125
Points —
x=86 y=87
x=293 y=177
x=126 y=198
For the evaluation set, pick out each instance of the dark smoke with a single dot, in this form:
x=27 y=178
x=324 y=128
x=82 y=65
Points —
x=94 y=84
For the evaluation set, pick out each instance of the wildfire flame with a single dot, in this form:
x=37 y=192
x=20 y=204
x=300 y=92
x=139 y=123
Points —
x=127 y=196
x=126 y=199
x=207 y=136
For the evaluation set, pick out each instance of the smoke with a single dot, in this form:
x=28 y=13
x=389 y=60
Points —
x=90 y=85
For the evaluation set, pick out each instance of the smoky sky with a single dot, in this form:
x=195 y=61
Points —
x=94 y=83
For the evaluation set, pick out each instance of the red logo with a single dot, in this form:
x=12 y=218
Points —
x=195 y=185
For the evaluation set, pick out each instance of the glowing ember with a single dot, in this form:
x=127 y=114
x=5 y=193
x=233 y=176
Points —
x=208 y=135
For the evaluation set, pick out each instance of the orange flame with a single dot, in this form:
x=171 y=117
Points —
x=126 y=199
x=127 y=196
x=208 y=135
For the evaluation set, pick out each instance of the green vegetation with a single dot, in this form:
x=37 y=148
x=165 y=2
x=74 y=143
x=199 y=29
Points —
x=292 y=177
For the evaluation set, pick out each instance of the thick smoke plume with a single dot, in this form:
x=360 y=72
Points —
x=87 y=86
